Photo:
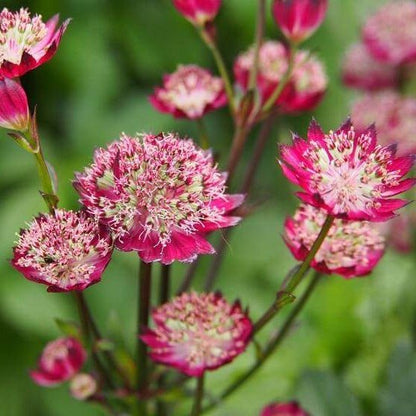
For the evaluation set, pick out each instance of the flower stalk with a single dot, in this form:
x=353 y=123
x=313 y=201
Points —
x=199 y=395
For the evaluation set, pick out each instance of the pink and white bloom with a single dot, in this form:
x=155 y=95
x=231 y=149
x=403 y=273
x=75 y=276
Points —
x=347 y=173
x=362 y=71
x=351 y=248
x=60 y=361
x=83 y=386
x=390 y=34
x=64 y=250
x=26 y=42
x=284 y=409
x=160 y=196
x=14 y=108
x=298 y=19
x=198 y=332
x=198 y=12
x=394 y=117
x=190 y=92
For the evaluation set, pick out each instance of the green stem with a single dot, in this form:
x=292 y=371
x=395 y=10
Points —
x=199 y=395
x=203 y=134
x=272 y=345
x=236 y=151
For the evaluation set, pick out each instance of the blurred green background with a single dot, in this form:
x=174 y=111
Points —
x=352 y=352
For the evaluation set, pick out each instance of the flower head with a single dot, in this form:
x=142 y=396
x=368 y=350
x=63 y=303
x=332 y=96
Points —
x=390 y=34
x=351 y=248
x=393 y=116
x=198 y=332
x=14 y=109
x=298 y=19
x=284 y=409
x=347 y=173
x=60 y=361
x=198 y=12
x=26 y=42
x=360 y=70
x=159 y=195
x=65 y=250
x=190 y=92
x=83 y=386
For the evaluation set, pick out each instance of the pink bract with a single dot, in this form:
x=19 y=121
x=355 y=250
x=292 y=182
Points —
x=393 y=115
x=298 y=19
x=351 y=248
x=160 y=196
x=199 y=12
x=347 y=173
x=190 y=92
x=390 y=34
x=284 y=409
x=60 y=361
x=65 y=250
x=198 y=332
x=26 y=42
x=14 y=108
x=360 y=70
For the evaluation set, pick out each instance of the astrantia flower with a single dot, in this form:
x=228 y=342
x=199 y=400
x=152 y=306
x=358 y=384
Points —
x=197 y=332
x=26 y=42
x=390 y=34
x=360 y=70
x=298 y=19
x=198 y=12
x=159 y=195
x=284 y=409
x=60 y=361
x=394 y=118
x=190 y=92
x=351 y=248
x=14 y=109
x=65 y=250
x=347 y=173
x=83 y=386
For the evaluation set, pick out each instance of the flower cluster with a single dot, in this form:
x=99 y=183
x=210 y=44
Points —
x=198 y=332
x=64 y=250
x=160 y=196
x=190 y=92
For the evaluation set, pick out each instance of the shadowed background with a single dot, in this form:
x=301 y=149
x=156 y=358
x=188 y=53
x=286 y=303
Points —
x=352 y=351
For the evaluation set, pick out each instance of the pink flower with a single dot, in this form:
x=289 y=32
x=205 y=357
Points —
x=284 y=409
x=390 y=34
x=298 y=19
x=347 y=173
x=83 y=386
x=160 y=195
x=190 y=92
x=14 y=109
x=351 y=248
x=360 y=70
x=197 y=332
x=198 y=12
x=65 y=250
x=60 y=361
x=26 y=42
x=394 y=118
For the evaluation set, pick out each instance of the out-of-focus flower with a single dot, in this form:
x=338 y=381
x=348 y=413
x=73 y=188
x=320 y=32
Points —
x=64 y=250
x=390 y=34
x=298 y=19
x=190 y=92
x=160 y=195
x=400 y=231
x=60 y=361
x=394 y=118
x=198 y=12
x=360 y=70
x=347 y=173
x=351 y=248
x=83 y=386
x=198 y=332
x=26 y=42
x=14 y=108
x=307 y=84
x=284 y=409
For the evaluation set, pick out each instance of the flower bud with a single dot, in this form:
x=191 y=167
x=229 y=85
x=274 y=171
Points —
x=198 y=12
x=284 y=409
x=298 y=19
x=14 y=109
x=83 y=386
